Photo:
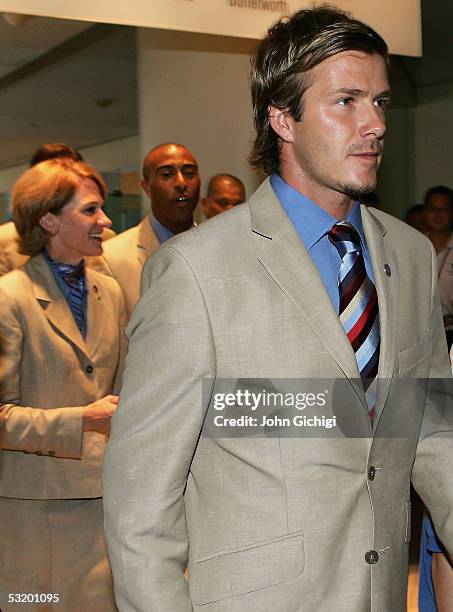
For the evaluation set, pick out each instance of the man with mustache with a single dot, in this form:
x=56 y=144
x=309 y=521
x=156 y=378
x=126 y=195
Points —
x=172 y=182
x=300 y=289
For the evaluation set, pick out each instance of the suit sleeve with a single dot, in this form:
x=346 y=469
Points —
x=154 y=435
x=123 y=346
x=55 y=431
x=433 y=467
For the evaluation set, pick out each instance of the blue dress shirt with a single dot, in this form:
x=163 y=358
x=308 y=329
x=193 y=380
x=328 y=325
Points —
x=163 y=233
x=429 y=544
x=312 y=224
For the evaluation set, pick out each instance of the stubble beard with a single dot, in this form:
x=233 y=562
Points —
x=356 y=191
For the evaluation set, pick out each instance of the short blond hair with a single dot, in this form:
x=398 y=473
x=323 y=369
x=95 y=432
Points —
x=46 y=187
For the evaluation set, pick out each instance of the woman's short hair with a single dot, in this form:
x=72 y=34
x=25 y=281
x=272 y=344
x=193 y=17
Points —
x=278 y=75
x=46 y=187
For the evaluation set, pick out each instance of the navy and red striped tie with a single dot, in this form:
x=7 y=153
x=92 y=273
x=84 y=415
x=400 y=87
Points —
x=358 y=308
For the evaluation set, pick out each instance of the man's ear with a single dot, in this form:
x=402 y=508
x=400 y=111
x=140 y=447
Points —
x=145 y=187
x=49 y=222
x=281 y=122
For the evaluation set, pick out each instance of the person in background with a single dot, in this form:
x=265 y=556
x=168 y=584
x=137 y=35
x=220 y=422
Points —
x=60 y=369
x=436 y=568
x=415 y=217
x=224 y=192
x=10 y=258
x=435 y=593
x=172 y=183
x=439 y=218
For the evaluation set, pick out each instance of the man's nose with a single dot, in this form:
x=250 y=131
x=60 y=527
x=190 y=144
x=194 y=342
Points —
x=372 y=122
x=180 y=181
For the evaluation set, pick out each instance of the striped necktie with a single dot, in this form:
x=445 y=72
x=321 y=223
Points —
x=359 y=312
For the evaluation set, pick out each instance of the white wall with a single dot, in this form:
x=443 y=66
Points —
x=194 y=90
x=433 y=137
x=121 y=155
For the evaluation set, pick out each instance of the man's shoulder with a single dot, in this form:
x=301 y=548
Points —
x=7 y=232
x=118 y=242
x=215 y=248
x=402 y=236
x=17 y=283
x=221 y=233
x=120 y=251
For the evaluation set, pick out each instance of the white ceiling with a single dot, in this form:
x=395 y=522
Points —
x=20 y=45
x=65 y=81
x=73 y=82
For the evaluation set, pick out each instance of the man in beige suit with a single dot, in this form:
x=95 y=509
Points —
x=172 y=183
x=313 y=514
x=10 y=258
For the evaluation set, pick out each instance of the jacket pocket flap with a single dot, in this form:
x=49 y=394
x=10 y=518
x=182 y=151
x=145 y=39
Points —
x=246 y=569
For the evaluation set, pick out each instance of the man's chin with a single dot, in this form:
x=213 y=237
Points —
x=355 y=191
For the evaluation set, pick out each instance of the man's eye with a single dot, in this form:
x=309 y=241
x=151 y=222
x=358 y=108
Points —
x=382 y=102
x=90 y=210
x=166 y=175
x=345 y=101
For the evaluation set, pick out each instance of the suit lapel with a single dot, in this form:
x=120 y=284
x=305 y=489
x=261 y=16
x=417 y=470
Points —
x=282 y=253
x=385 y=269
x=96 y=314
x=53 y=303
x=147 y=242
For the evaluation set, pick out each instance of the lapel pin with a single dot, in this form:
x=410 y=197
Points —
x=387 y=270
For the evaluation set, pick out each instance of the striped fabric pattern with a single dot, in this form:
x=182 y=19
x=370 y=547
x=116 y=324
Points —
x=75 y=298
x=359 y=312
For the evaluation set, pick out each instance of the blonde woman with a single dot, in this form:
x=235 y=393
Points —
x=62 y=327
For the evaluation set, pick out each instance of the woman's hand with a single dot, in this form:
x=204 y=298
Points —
x=97 y=415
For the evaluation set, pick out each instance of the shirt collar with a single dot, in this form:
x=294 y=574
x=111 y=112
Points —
x=310 y=220
x=67 y=271
x=163 y=233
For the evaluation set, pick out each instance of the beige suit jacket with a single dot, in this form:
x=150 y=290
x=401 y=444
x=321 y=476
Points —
x=48 y=373
x=10 y=258
x=124 y=258
x=311 y=523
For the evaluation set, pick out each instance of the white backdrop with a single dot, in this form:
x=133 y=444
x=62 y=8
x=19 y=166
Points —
x=398 y=21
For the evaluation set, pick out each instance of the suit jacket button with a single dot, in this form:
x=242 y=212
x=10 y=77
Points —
x=387 y=270
x=89 y=369
x=371 y=472
x=372 y=557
